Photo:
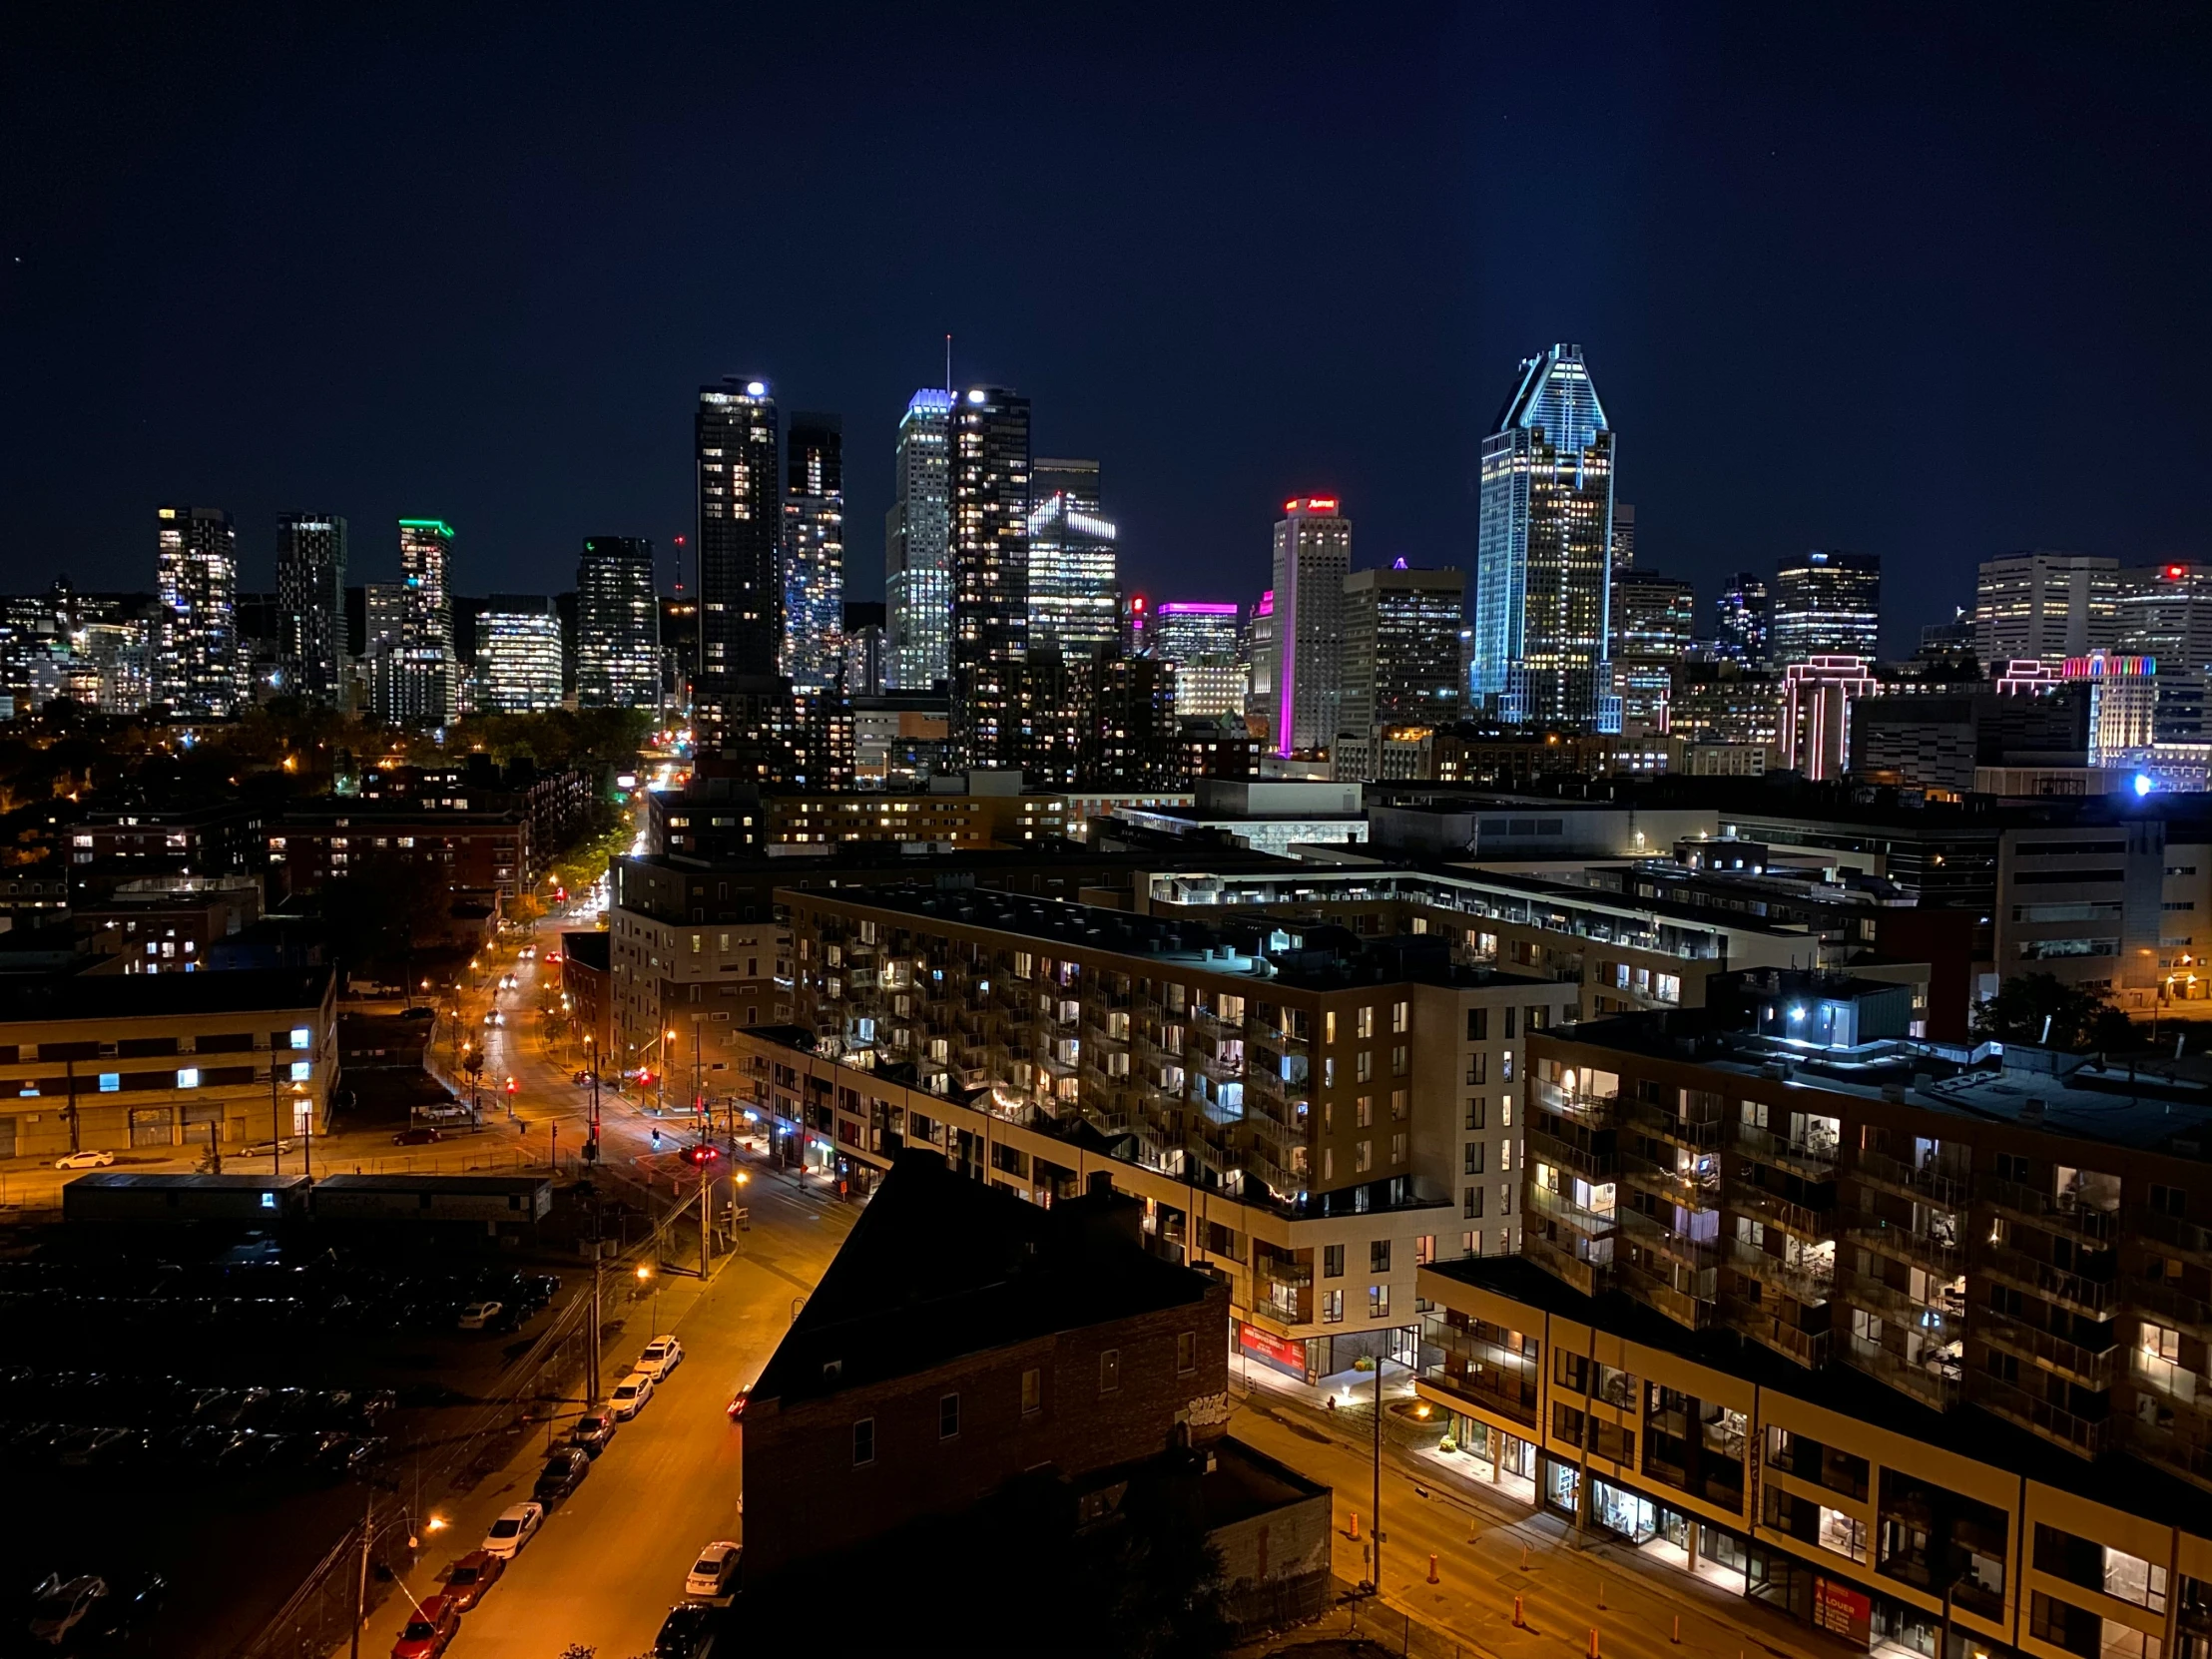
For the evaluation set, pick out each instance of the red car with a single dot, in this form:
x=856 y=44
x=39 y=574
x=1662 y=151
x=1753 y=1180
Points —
x=435 y=1624
x=469 y=1579
x=734 y=1410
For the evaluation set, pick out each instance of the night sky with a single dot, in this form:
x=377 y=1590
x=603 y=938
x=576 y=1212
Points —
x=1927 y=282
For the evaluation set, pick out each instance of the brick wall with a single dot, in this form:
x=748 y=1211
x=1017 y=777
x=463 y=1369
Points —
x=805 y=1497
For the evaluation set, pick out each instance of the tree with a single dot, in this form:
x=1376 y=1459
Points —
x=2018 y=1012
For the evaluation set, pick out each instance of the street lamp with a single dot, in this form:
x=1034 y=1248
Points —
x=644 y=1273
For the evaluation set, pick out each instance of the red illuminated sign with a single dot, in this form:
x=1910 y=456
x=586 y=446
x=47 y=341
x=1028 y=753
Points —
x=1311 y=505
x=1843 y=1611
x=1279 y=1350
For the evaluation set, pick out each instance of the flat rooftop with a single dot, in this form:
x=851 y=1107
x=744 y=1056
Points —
x=127 y=996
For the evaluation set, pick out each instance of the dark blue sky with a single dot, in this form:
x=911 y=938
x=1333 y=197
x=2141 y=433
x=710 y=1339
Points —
x=1923 y=281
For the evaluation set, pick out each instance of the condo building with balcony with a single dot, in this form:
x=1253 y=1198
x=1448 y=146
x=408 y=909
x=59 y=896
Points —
x=1312 y=1113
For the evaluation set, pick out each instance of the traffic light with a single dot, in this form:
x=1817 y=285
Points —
x=513 y=1087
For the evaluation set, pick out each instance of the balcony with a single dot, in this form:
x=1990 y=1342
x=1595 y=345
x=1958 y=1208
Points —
x=1688 y=1188
x=1759 y=1322
x=2094 y=1296
x=1596 y=1224
x=1593 y=1109
x=1924 y=1183
x=1914 y=1246
x=2052 y=1214
x=1815 y=1160
x=1586 y=1162
x=1813 y=1226
x=1685 y=1308
x=2184 y=1237
x=1810 y=1284
x=1709 y=1136
x=2163 y=1448
x=1895 y=1306
x=2176 y=1385
x=2083 y=1436
x=2091 y=1368
x=1935 y=1383
x=1651 y=1234
x=1582 y=1276
x=2170 y=1305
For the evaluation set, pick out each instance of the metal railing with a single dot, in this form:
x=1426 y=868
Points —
x=1583 y=1276
x=1807 y=1157
x=2092 y=1367
x=1935 y=1385
x=2088 y=1295
x=1774 y=1209
x=1807 y=1285
x=2085 y=1437
x=1685 y=1308
x=2171 y=1306
x=1807 y=1348
x=1708 y=1135
x=2184 y=1236
x=1923 y=1182
x=2044 y=1210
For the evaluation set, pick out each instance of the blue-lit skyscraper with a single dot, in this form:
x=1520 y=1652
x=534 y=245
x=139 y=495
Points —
x=917 y=546
x=1542 y=576
x=813 y=551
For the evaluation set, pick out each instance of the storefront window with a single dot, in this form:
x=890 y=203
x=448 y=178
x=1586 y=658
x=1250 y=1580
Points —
x=1621 y=1511
x=1559 y=1486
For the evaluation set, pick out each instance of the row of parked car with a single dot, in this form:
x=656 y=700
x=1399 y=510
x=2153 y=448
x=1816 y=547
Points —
x=274 y=1296
x=149 y=1401
x=82 y=1611
x=93 y=1420
x=203 y=1447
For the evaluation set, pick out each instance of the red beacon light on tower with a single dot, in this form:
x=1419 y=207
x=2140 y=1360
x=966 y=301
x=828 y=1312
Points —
x=2175 y=573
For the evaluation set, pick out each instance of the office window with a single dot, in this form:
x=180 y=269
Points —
x=1332 y=1261
x=1186 y=1352
x=948 y=1417
x=863 y=1441
x=109 y=1082
x=301 y=1038
x=1109 y=1371
x=302 y=1072
x=1032 y=1391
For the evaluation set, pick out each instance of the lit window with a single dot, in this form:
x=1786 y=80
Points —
x=301 y=1038
x=109 y=1082
x=301 y=1070
x=187 y=1077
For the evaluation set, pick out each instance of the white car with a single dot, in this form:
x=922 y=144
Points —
x=713 y=1576
x=662 y=1354
x=514 y=1528
x=629 y=1394
x=477 y=1314
x=84 y=1160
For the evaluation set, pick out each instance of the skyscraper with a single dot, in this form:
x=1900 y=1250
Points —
x=1546 y=552
x=918 y=545
x=1259 y=661
x=618 y=625
x=311 y=599
x=1827 y=604
x=814 y=550
x=518 y=654
x=1402 y=646
x=1074 y=571
x=1744 y=620
x=1654 y=628
x=1200 y=642
x=2165 y=612
x=427 y=682
x=198 y=669
x=741 y=595
x=1313 y=555
x=2046 y=606
x=1624 y=536
x=989 y=500
x=865 y=638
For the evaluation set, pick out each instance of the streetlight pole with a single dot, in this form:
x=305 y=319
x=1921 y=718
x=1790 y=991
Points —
x=275 y=1119
x=1375 y=1517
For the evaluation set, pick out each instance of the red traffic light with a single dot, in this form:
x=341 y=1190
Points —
x=699 y=1155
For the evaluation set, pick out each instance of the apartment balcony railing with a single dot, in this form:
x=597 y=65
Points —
x=1586 y=1162
x=1652 y=1233
x=2184 y=1237
x=1689 y=1309
x=2058 y=1213
x=1808 y=1284
x=1709 y=1136
x=1924 y=1183
x=2085 y=1437
x=2091 y=1368
x=1813 y=1159
x=1920 y=1249
x=1578 y=1104
x=2175 y=1384
x=1809 y=1349
x=2169 y=1306
x=1689 y=1189
x=2094 y=1296
x=1934 y=1384
x=1586 y=1276
x=1776 y=1211
x=2163 y=1447
x=1594 y=1223
x=1943 y=1317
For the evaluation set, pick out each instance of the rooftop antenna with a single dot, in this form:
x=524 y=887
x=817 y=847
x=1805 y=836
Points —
x=948 y=365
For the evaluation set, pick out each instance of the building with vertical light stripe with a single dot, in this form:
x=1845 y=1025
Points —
x=1546 y=552
x=1313 y=556
x=917 y=546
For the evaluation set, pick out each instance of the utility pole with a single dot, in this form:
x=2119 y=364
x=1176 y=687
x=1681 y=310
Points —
x=1377 y=1544
x=360 y=1587
x=275 y=1119
x=706 y=1195
x=591 y=1363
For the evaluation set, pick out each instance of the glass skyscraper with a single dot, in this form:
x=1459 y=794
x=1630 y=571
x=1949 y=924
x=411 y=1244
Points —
x=618 y=625
x=737 y=699
x=1313 y=556
x=1199 y=641
x=1542 y=577
x=197 y=670
x=917 y=546
x=518 y=654
x=1074 y=566
x=1827 y=604
x=813 y=551
x=310 y=601
x=427 y=682
x=1744 y=616
x=989 y=495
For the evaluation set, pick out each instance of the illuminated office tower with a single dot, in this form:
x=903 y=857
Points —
x=1544 y=553
x=422 y=680
x=1827 y=604
x=310 y=603
x=814 y=550
x=917 y=546
x=518 y=654
x=1624 y=536
x=2046 y=606
x=739 y=700
x=1402 y=646
x=1259 y=661
x=198 y=669
x=1202 y=644
x=1654 y=629
x=1313 y=556
x=618 y=625
x=2165 y=612
x=1744 y=621
x=1074 y=571
x=990 y=499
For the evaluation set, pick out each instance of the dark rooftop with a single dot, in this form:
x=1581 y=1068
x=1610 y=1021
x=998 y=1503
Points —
x=119 y=996
x=2119 y=1482
x=591 y=947
x=939 y=1265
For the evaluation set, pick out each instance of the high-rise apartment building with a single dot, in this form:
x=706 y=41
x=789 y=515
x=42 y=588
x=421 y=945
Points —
x=1074 y=573
x=518 y=654
x=1402 y=646
x=814 y=550
x=1624 y=536
x=741 y=533
x=2165 y=612
x=990 y=503
x=1546 y=551
x=1313 y=556
x=2046 y=606
x=867 y=656
x=311 y=599
x=1744 y=621
x=422 y=680
x=1202 y=643
x=1259 y=661
x=1827 y=604
x=918 y=545
x=199 y=670
x=618 y=625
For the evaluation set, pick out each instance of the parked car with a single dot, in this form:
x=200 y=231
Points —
x=687 y=1633
x=593 y=1431
x=713 y=1576
x=427 y=1631
x=60 y=1605
x=84 y=1160
x=515 y=1527
x=477 y=1314
x=422 y=1134
x=662 y=1354
x=564 y=1471
x=734 y=1410
x=266 y=1149
x=469 y=1580
x=630 y=1396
